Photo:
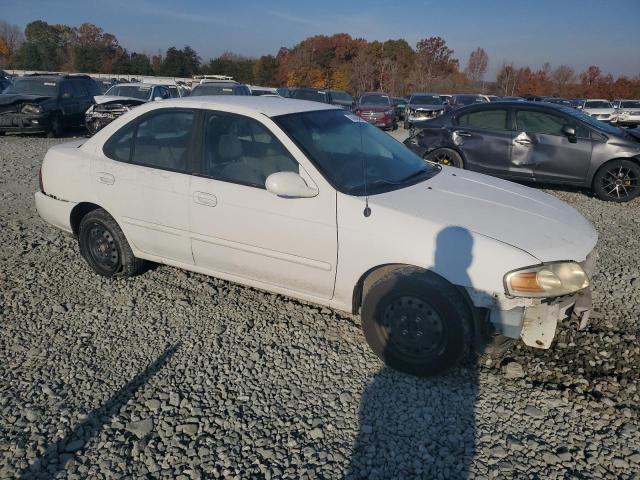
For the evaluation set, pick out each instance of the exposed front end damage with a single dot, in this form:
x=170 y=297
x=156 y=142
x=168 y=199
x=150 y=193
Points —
x=534 y=320
x=101 y=114
x=23 y=115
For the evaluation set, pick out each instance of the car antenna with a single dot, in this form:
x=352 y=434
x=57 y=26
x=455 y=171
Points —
x=367 y=209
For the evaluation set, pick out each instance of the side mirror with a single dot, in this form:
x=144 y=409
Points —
x=289 y=185
x=570 y=133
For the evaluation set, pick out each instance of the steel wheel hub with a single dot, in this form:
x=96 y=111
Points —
x=413 y=327
x=102 y=246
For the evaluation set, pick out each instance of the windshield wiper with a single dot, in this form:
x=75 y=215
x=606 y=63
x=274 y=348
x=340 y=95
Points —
x=415 y=174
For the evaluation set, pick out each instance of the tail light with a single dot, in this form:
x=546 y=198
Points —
x=40 y=180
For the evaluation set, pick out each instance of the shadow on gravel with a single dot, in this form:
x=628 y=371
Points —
x=421 y=428
x=58 y=454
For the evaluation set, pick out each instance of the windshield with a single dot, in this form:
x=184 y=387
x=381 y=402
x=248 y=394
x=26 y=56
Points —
x=469 y=99
x=589 y=120
x=375 y=100
x=141 y=92
x=630 y=104
x=313 y=95
x=425 y=100
x=34 y=86
x=205 y=89
x=340 y=144
x=341 y=96
x=173 y=90
x=597 y=104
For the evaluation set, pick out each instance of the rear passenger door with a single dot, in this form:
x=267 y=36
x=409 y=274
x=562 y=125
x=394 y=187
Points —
x=540 y=143
x=242 y=232
x=142 y=177
x=484 y=136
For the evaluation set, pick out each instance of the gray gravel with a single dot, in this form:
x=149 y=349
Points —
x=177 y=375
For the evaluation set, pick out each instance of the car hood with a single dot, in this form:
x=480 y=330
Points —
x=375 y=108
x=600 y=111
x=530 y=220
x=11 y=98
x=100 y=99
x=419 y=106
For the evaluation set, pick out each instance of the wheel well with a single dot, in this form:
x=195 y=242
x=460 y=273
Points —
x=78 y=212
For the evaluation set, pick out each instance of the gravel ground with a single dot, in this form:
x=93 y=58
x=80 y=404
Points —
x=177 y=375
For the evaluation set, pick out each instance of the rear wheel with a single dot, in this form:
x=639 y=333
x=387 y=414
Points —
x=416 y=322
x=617 y=181
x=105 y=248
x=445 y=156
x=406 y=125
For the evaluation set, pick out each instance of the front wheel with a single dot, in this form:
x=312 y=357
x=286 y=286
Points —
x=416 y=322
x=617 y=181
x=445 y=156
x=105 y=248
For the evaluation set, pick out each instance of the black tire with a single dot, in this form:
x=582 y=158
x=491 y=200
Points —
x=617 y=181
x=406 y=124
x=445 y=156
x=416 y=322
x=105 y=248
x=56 y=128
x=394 y=127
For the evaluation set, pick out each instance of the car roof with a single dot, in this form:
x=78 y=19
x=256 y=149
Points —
x=425 y=93
x=137 y=84
x=269 y=106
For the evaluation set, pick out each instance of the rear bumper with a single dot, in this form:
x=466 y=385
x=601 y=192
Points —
x=54 y=211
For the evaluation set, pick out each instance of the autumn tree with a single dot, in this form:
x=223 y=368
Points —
x=434 y=60
x=11 y=37
x=507 y=79
x=477 y=65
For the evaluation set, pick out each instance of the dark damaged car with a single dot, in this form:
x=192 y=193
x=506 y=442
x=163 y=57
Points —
x=423 y=106
x=535 y=142
x=46 y=103
x=120 y=99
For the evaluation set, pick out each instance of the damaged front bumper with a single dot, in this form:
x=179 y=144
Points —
x=534 y=320
x=24 y=123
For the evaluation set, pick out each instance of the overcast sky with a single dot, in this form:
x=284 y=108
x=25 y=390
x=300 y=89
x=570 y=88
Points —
x=574 y=32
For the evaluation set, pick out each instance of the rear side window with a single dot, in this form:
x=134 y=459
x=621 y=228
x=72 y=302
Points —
x=79 y=89
x=531 y=121
x=485 y=119
x=159 y=140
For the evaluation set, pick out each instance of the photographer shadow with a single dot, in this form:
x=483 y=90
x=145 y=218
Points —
x=414 y=427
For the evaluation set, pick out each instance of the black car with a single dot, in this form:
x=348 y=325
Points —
x=333 y=97
x=462 y=100
x=220 y=88
x=46 y=103
x=4 y=84
x=535 y=142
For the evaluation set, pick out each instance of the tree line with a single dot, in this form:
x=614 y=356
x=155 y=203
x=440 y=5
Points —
x=338 y=61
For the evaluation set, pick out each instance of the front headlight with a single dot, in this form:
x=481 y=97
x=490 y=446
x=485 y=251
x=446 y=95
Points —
x=547 y=280
x=31 y=109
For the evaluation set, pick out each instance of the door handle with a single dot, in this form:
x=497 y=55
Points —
x=204 y=198
x=462 y=133
x=522 y=139
x=106 y=178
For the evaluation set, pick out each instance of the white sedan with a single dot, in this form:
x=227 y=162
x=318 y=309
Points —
x=306 y=200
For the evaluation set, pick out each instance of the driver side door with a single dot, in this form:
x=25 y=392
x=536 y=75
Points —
x=244 y=233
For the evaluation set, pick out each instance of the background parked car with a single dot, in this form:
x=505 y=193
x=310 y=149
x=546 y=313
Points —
x=400 y=104
x=462 y=100
x=332 y=97
x=46 y=103
x=377 y=109
x=220 y=88
x=422 y=106
x=627 y=112
x=257 y=91
x=120 y=99
x=104 y=84
x=600 y=109
x=535 y=142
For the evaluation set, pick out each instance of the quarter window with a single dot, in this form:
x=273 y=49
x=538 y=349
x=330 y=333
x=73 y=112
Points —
x=485 y=119
x=241 y=150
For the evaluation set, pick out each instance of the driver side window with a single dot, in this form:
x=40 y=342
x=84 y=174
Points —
x=241 y=150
